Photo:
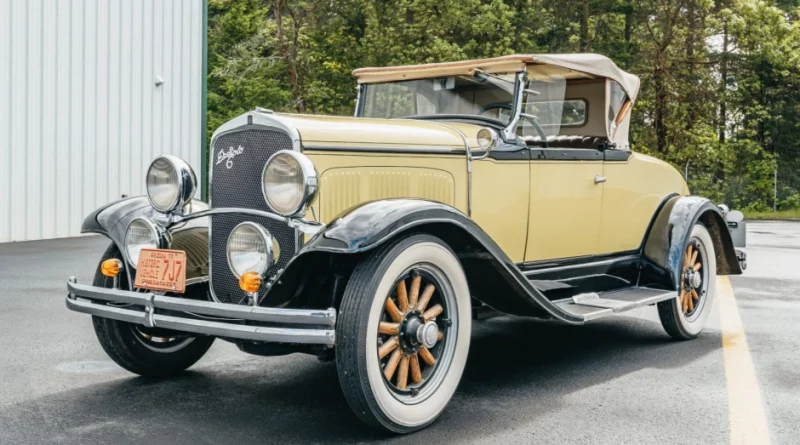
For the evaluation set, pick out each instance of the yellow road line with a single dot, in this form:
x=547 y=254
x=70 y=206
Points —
x=747 y=418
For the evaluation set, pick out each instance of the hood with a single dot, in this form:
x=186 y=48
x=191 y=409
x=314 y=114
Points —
x=407 y=134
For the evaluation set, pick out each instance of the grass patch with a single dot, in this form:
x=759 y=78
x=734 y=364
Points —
x=779 y=215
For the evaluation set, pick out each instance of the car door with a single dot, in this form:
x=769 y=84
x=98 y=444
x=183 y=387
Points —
x=635 y=187
x=565 y=203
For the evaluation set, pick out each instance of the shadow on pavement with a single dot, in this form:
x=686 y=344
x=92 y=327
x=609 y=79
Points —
x=518 y=370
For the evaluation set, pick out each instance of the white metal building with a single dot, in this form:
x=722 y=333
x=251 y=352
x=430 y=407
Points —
x=83 y=109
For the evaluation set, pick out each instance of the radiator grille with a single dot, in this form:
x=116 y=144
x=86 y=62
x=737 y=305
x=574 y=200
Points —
x=236 y=182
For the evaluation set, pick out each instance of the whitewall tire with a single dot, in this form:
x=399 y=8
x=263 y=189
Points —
x=400 y=368
x=684 y=317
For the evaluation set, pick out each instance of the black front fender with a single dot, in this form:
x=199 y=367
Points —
x=493 y=277
x=671 y=231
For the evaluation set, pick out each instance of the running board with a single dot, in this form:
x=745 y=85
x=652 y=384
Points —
x=594 y=305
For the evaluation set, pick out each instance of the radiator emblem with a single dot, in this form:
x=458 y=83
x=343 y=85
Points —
x=228 y=156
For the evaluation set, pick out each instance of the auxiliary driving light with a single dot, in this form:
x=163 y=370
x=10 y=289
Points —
x=110 y=267
x=251 y=248
x=250 y=282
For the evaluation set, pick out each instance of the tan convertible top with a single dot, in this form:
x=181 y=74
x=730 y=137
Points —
x=566 y=65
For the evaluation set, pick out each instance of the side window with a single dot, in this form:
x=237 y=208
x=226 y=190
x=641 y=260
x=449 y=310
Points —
x=616 y=98
x=567 y=113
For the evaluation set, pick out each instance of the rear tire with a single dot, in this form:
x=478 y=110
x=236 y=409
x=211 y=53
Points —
x=129 y=346
x=374 y=397
x=683 y=324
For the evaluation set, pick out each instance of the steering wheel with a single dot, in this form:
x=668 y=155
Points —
x=538 y=129
x=494 y=106
x=531 y=119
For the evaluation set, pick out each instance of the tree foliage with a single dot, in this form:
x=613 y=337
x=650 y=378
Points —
x=720 y=79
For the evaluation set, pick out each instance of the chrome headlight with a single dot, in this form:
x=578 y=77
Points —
x=251 y=248
x=171 y=183
x=143 y=234
x=289 y=183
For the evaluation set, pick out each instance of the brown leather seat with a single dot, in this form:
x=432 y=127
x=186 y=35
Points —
x=563 y=141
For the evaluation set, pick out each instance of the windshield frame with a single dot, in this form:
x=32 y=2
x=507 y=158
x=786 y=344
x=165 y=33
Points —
x=508 y=130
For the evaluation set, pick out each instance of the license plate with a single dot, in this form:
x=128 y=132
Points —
x=161 y=269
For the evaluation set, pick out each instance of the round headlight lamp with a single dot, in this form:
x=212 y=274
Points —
x=487 y=139
x=251 y=248
x=171 y=183
x=143 y=234
x=289 y=183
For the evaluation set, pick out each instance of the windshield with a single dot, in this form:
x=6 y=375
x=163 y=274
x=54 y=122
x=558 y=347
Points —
x=480 y=95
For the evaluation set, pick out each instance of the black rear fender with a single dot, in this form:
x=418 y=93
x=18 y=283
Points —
x=670 y=232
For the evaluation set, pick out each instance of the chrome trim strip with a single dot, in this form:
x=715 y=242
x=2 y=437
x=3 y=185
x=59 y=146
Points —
x=150 y=302
x=255 y=333
x=309 y=227
x=469 y=164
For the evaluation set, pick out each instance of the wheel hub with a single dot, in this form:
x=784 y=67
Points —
x=692 y=281
x=409 y=335
x=427 y=334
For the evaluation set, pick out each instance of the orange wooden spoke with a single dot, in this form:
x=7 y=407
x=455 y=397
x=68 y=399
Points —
x=440 y=336
x=695 y=297
x=694 y=257
x=389 y=346
x=389 y=328
x=697 y=266
x=433 y=312
x=416 y=373
x=414 y=294
x=391 y=365
x=426 y=297
x=426 y=356
x=393 y=311
x=402 y=373
x=689 y=251
x=684 y=302
x=690 y=302
x=402 y=296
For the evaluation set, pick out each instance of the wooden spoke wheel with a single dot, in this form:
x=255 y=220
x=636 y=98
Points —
x=693 y=279
x=412 y=330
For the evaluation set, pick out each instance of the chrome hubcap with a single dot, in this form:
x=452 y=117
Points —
x=427 y=334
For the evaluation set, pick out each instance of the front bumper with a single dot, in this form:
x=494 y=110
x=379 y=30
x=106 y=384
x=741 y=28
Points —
x=204 y=317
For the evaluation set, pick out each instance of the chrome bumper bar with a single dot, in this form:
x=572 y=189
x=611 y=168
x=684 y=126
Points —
x=306 y=326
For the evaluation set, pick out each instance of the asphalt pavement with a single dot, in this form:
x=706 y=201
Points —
x=618 y=380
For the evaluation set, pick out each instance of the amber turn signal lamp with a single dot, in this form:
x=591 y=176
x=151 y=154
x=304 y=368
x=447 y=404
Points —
x=110 y=268
x=250 y=282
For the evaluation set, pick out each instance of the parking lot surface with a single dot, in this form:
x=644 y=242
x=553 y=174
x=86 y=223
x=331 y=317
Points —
x=618 y=380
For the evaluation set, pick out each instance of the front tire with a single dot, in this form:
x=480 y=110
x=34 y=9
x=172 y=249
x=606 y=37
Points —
x=685 y=317
x=143 y=351
x=403 y=334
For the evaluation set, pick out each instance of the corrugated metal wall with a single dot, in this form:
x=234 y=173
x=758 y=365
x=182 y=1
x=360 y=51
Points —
x=81 y=116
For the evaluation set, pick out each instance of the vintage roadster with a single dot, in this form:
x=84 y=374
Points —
x=503 y=185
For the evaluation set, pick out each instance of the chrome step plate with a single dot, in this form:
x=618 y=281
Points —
x=594 y=305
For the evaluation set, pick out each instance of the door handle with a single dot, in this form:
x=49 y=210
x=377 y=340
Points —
x=599 y=179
